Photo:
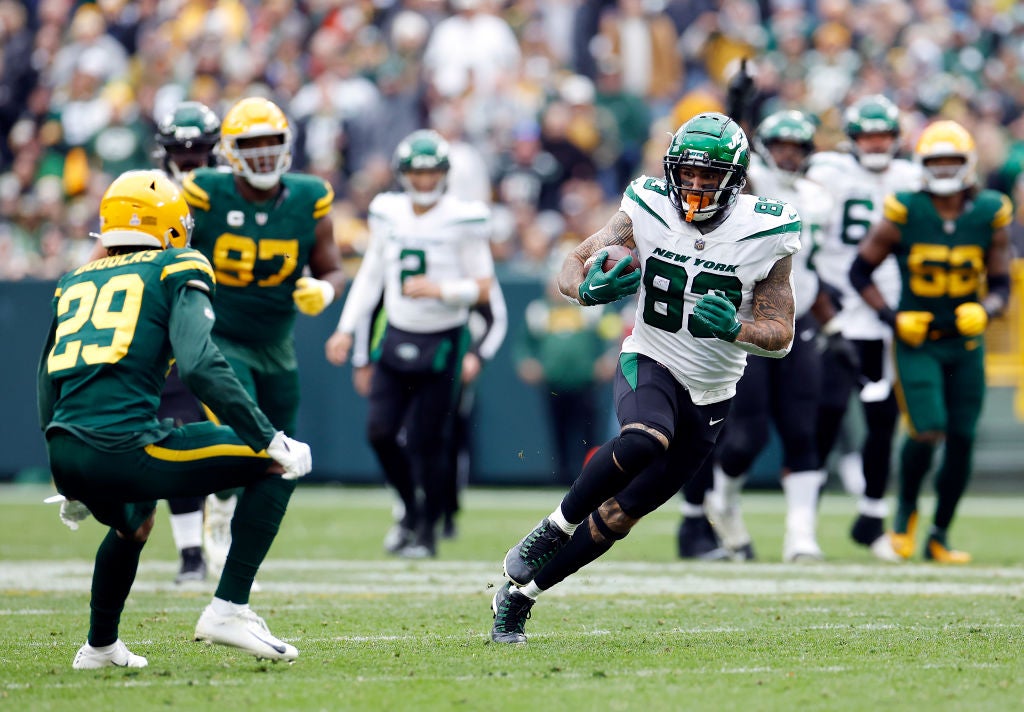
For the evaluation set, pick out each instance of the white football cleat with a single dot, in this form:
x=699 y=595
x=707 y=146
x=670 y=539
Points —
x=217 y=532
x=243 y=630
x=800 y=547
x=728 y=524
x=89 y=658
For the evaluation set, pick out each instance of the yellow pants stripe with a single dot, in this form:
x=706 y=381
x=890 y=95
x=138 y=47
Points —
x=202 y=453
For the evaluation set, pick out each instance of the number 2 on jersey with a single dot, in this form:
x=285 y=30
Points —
x=87 y=303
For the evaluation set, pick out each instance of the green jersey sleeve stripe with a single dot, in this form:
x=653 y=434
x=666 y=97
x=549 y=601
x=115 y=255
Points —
x=780 y=230
x=631 y=194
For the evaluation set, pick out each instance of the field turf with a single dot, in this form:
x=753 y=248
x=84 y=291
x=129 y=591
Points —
x=638 y=630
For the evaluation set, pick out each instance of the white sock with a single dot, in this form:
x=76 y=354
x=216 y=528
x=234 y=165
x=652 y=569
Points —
x=689 y=509
x=531 y=590
x=873 y=508
x=559 y=520
x=728 y=488
x=801 y=490
x=187 y=529
x=104 y=648
x=226 y=608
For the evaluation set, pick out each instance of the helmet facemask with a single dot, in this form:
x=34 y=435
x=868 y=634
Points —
x=713 y=150
x=256 y=140
x=260 y=162
x=186 y=139
x=873 y=115
x=422 y=152
x=948 y=158
x=785 y=142
x=693 y=202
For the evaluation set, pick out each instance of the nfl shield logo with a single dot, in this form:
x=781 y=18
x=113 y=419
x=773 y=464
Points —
x=261 y=218
x=699 y=243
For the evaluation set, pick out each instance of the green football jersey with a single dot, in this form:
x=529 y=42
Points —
x=112 y=350
x=258 y=250
x=942 y=262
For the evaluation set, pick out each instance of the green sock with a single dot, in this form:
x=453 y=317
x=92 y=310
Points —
x=938 y=534
x=951 y=481
x=915 y=461
x=117 y=560
x=253 y=528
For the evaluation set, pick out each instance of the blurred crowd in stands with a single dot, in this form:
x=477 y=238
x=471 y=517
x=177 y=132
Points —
x=551 y=105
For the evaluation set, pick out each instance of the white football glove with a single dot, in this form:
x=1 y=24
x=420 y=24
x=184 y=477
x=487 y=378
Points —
x=312 y=295
x=294 y=456
x=71 y=511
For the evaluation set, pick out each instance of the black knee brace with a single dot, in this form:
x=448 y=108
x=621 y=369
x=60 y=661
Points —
x=635 y=449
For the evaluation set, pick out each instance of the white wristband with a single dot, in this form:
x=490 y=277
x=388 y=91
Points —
x=460 y=292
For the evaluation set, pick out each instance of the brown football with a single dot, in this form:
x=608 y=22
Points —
x=618 y=252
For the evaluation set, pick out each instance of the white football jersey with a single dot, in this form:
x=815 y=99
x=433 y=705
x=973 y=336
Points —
x=451 y=241
x=680 y=265
x=814 y=204
x=858 y=195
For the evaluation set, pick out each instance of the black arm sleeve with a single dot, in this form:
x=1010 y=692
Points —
x=207 y=373
x=998 y=294
x=860 y=273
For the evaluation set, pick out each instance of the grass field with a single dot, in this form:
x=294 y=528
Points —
x=638 y=630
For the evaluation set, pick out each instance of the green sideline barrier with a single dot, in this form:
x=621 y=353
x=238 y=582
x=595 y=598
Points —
x=511 y=445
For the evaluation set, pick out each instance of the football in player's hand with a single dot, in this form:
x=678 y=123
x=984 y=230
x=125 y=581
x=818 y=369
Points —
x=618 y=252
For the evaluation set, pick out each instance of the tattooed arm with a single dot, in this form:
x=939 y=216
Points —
x=618 y=231
x=771 y=332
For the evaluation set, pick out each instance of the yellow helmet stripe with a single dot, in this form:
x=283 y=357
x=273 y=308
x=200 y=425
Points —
x=203 y=267
x=202 y=453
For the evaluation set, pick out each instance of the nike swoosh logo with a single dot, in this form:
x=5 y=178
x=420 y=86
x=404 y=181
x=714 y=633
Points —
x=715 y=422
x=279 y=648
x=595 y=287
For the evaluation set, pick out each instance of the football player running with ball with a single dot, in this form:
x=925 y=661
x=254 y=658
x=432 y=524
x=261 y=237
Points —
x=118 y=322
x=261 y=228
x=715 y=285
x=430 y=255
x=949 y=239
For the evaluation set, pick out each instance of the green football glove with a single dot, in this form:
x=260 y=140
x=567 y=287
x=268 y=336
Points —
x=600 y=287
x=718 y=314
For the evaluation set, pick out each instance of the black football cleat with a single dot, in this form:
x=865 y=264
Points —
x=697 y=540
x=511 y=611
x=193 y=566
x=525 y=559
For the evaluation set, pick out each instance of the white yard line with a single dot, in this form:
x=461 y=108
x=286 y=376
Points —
x=361 y=578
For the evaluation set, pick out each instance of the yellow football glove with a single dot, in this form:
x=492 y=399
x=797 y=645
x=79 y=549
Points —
x=912 y=326
x=312 y=295
x=971 y=318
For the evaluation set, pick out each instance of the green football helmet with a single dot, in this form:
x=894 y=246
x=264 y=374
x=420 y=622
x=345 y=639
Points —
x=422 y=150
x=793 y=127
x=873 y=114
x=186 y=138
x=709 y=141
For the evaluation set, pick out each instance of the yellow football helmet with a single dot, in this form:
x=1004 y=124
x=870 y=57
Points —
x=144 y=209
x=244 y=146
x=946 y=139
